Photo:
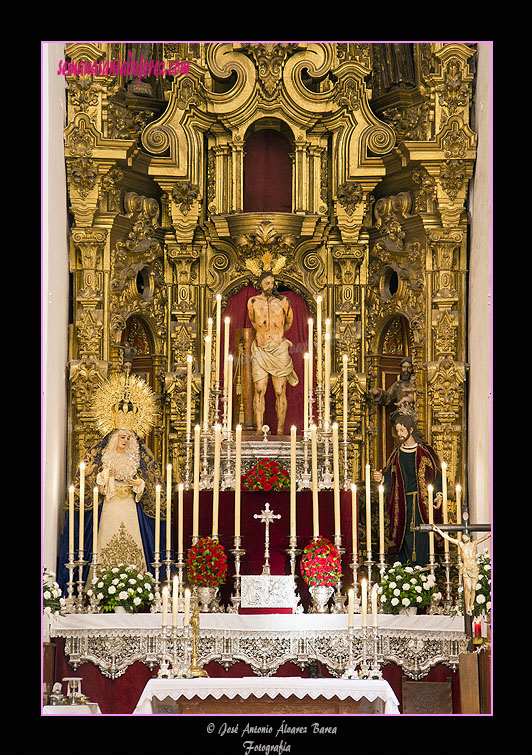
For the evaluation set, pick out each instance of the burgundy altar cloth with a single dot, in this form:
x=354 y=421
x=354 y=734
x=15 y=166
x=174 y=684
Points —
x=120 y=696
x=253 y=531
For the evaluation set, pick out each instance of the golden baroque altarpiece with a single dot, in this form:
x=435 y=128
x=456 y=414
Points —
x=381 y=152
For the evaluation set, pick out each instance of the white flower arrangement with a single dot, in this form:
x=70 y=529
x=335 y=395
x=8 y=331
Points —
x=123 y=586
x=52 y=602
x=404 y=587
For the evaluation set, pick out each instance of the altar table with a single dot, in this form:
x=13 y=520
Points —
x=264 y=642
x=278 y=695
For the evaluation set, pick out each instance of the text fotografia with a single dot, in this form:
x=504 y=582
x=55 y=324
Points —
x=140 y=68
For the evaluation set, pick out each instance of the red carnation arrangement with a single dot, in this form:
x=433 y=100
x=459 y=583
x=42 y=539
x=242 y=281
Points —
x=206 y=562
x=320 y=563
x=266 y=475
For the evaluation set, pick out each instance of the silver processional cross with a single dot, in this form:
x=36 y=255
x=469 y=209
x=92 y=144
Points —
x=266 y=517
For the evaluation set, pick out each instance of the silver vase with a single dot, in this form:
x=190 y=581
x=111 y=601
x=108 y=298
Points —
x=320 y=597
x=207 y=597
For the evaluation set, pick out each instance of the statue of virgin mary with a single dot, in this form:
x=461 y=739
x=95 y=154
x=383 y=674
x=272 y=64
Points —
x=126 y=473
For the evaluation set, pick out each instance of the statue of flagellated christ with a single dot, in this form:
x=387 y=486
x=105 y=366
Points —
x=271 y=316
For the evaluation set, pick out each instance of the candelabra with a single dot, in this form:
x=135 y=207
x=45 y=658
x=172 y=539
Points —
x=339 y=597
x=293 y=551
x=364 y=666
x=237 y=552
x=354 y=567
x=447 y=565
x=80 y=563
x=369 y=563
x=70 y=602
x=188 y=446
x=195 y=670
x=350 y=671
x=347 y=481
x=305 y=481
x=327 y=476
x=93 y=600
x=229 y=481
x=375 y=671
x=156 y=565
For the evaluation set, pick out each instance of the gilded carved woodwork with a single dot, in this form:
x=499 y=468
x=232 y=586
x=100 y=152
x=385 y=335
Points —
x=382 y=153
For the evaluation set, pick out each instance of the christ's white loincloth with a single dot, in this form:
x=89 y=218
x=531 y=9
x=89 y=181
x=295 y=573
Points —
x=272 y=359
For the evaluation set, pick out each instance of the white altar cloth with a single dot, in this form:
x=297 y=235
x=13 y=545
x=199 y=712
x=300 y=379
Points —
x=253 y=622
x=252 y=686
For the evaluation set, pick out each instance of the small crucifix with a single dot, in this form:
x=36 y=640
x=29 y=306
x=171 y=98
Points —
x=467 y=550
x=266 y=517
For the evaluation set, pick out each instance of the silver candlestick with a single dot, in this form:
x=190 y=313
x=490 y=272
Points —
x=375 y=671
x=339 y=597
x=350 y=671
x=293 y=551
x=237 y=552
x=156 y=565
x=354 y=567
x=80 y=563
x=70 y=603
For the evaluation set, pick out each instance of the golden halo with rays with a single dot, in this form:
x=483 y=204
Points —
x=124 y=402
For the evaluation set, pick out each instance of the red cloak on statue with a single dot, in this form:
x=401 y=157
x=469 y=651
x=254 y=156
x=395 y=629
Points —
x=427 y=472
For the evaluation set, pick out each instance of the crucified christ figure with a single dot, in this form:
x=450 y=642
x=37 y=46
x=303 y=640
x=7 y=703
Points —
x=469 y=567
x=271 y=316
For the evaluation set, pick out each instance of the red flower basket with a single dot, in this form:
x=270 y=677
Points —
x=266 y=475
x=206 y=562
x=320 y=563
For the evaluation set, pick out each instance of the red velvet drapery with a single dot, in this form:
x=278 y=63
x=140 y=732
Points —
x=236 y=310
x=267 y=172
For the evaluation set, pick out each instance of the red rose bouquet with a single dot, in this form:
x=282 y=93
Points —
x=320 y=563
x=206 y=562
x=266 y=475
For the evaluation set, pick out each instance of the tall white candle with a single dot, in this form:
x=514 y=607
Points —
x=315 y=504
x=227 y=323
x=218 y=337
x=344 y=403
x=189 y=393
x=169 y=507
x=458 y=490
x=327 y=389
x=336 y=480
x=229 y=392
x=364 y=590
x=95 y=524
x=444 y=502
x=368 y=511
x=81 y=506
x=310 y=350
x=293 y=480
x=318 y=339
x=196 y=473
x=431 y=520
x=165 y=607
x=354 y=520
x=71 y=519
x=174 y=602
x=350 y=606
x=374 y=605
x=381 y=519
x=216 y=480
x=306 y=372
x=207 y=382
x=180 y=518
x=238 y=473
x=157 y=518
